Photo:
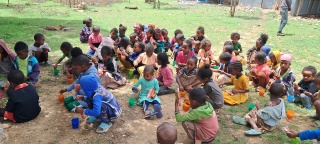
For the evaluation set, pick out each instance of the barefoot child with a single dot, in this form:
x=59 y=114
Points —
x=40 y=49
x=205 y=54
x=94 y=40
x=148 y=82
x=165 y=75
x=184 y=54
x=102 y=105
x=239 y=94
x=187 y=77
x=201 y=123
x=167 y=133
x=86 y=32
x=267 y=118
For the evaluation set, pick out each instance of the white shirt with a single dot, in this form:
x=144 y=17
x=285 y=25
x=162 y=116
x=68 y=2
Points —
x=33 y=48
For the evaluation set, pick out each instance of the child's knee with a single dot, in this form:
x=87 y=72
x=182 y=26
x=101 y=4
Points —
x=317 y=104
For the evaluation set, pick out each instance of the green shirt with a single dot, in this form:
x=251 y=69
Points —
x=204 y=111
x=237 y=46
x=23 y=65
x=68 y=56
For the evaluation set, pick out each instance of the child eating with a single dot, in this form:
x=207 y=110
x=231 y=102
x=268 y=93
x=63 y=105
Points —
x=165 y=75
x=94 y=40
x=184 y=54
x=167 y=133
x=148 y=82
x=146 y=58
x=187 y=77
x=102 y=105
x=86 y=32
x=40 y=49
x=205 y=54
x=201 y=123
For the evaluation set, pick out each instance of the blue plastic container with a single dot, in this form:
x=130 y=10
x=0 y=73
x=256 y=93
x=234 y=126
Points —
x=290 y=98
x=75 y=123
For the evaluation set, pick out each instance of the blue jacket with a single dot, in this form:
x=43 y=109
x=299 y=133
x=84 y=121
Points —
x=33 y=68
x=309 y=134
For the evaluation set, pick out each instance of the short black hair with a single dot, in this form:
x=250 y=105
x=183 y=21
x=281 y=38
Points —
x=163 y=31
x=124 y=42
x=133 y=34
x=228 y=43
x=225 y=56
x=189 y=43
x=204 y=43
x=20 y=45
x=141 y=45
x=180 y=37
x=236 y=65
x=167 y=133
x=81 y=60
x=150 y=30
x=148 y=68
x=194 y=59
x=163 y=57
x=38 y=36
x=66 y=46
x=122 y=28
x=260 y=56
x=16 y=76
x=106 y=50
x=177 y=31
x=276 y=89
x=198 y=94
x=205 y=72
x=312 y=69
x=201 y=29
x=263 y=38
x=229 y=48
x=75 y=52
x=114 y=30
x=149 y=47
x=235 y=35
x=96 y=29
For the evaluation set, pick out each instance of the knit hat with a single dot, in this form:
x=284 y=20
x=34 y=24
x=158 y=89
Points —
x=286 y=57
x=88 y=84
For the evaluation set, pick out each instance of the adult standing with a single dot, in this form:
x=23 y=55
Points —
x=285 y=7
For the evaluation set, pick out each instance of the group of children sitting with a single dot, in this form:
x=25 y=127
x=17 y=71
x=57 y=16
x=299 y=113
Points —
x=144 y=52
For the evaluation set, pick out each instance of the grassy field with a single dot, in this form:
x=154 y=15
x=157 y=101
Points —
x=22 y=20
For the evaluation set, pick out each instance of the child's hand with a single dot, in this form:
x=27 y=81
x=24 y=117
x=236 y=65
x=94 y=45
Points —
x=55 y=66
x=229 y=92
x=79 y=110
x=189 y=88
x=63 y=91
x=292 y=134
x=79 y=97
x=309 y=94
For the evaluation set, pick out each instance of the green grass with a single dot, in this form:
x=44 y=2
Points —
x=24 y=19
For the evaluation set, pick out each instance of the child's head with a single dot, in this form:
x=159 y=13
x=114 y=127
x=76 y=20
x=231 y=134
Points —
x=236 y=68
x=164 y=33
x=167 y=133
x=151 y=25
x=308 y=73
x=186 y=46
x=96 y=30
x=149 y=49
x=197 y=97
x=122 y=30
x=225 y=57
x=21 y=50
x=235 y=37
x=163 y=59
x=81 y=63
x=106 y=53
x=88 y=22
x=133 y=37
x=192 y=63
x=39 y=39
x=66 y=47
x=205 y=44
x=148 y=72
x=262 y=40
x=200 y=31
x=260 y=58
x=157 y=34
x=180 y=39
x=228 y=48
x=114 y=33
x=137 y=28
x=124 y=42
x=15 y=77
x=150 y=32
x=177 y=31
x=228 y=43
x=317 y=81
x=138 y=47
x=285 y=61
x=204 y=74
x=75 y=52
x=276 y=90
x=275 y=57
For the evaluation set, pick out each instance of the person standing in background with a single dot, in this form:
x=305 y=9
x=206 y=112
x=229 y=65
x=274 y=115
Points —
x=285 y=6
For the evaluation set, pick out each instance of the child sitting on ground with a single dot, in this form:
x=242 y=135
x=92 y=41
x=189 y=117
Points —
x=149 y=36
x=86 y=32
x=158 y=41
x=122 y=31
x=229 y=49
x=260 y=71
x=173 y=40
x=146 y=58
x=112 y=77
x=138 y=29
x=123 y=51
x=40 y=49
x=6 y=58
x=275 y=59
x=265 y=119
x=114 y=35
x=201 y=123
x=148 y=82
x=133 y=39
x=83 y=67
x=237 y=49
x=205 y=54
x=197 y=39
x=94 y=40
x=187 y=76
x=167 y=133
x=23 y=102
x=184 y=54
x=177 y=46
x=260 y=46
x=137 y=50
x=167 y=44
x=165 y=75
x=102 y=105
x=212 y=89
x=306 y=87
x=27 y=64
x=239 y=94
x=223 y=73
x=65 y=48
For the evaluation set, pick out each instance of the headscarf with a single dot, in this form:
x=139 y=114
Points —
x=277 y=55
x=286 y=57
x=89 y=84
x=10 y=53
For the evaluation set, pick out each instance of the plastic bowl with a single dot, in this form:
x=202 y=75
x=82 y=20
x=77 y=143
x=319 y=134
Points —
x=290 y=114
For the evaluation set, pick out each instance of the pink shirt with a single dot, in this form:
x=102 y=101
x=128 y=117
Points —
x=262 y=68
x=165 y=76
x=181 y=58
x=233 y=58
x=94 y=39
x=207 y=128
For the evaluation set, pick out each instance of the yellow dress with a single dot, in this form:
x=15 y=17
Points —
x=242 y=83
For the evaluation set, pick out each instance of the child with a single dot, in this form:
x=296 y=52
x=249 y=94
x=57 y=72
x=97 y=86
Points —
x=106 y=41
x=315 y=98
x=165 y=75
x=112 y=77
x=187 y=76
x=158 y=41
x=167 y=133
x=147 y=83
x=223 y=74
x=138 y=29
x=196 y=40
x=6 y=58
x=265 y=119
x=65 y=48
x=184 y=54
x=229 y=49
x=239 y=94
x=237 y=49
x=205 y=54
x=177 y=46
x=275 y=59
x=122 y=31
x=137 y=50
x=146 y=58
x=23 y=102
x=149 y=36
x=212 y=90
x=94 y=40
x=114 y=35
x=260 y=46
x=40 y=49
x=201 y=123
x=86 y=32
x=306 y=87
x=76 y=51
x=173 y=40
x=259 y=72
x=124 y=50
x=133 y=39
x=167 y=44
x=27 y=64
x=102 y=105
x=84 y=67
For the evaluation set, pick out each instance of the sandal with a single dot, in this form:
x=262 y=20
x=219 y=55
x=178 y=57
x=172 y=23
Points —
x=104 y=126
x=252 y=132
x=150 y=114
x=239 y=120
x=92 y=119
x=157 y=110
